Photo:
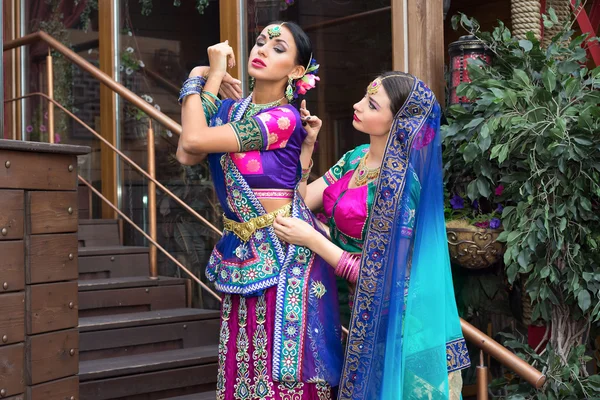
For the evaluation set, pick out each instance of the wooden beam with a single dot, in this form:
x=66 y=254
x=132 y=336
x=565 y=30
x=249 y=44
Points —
x=418 y=41
x=108 y=98
x=230 y=13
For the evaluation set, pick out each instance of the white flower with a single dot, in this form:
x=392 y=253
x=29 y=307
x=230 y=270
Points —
x=129 y=50
x=169 y=133
x=147 y=98
x=141 y=64
x=129 y=33
x=129 y=71
x=90 y=51
x=157 y=107
x=121 y=68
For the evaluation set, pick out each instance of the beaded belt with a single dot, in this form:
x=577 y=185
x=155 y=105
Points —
x=245 y=230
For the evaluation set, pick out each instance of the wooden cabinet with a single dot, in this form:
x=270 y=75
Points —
x=39 y=340
x=52 y=258
x=11 y=214
x=12 y=266
x=12 y=318
x=11 y=370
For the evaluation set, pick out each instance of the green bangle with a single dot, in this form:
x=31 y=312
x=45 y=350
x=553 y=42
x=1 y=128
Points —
x=217 y=101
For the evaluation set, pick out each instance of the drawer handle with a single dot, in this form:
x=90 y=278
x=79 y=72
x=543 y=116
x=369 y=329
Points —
x=72 y=398
x=71 y=305
x=72 y=352
x=7 y=164
x=4 y=338
x=4 y=231
x=70 y=210
x=3 y=392
x=5 y=285
x=71 y=256
x=70 y=167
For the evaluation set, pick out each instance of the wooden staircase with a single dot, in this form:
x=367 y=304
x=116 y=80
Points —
x=139 y=339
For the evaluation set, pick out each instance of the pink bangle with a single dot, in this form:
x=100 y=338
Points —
x=348 y=266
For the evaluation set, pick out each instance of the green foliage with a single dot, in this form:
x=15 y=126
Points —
x=533 y=127
x=564 y=380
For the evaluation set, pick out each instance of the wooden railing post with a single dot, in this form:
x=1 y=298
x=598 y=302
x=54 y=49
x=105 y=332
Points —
x=50 y=78
x=152 y=200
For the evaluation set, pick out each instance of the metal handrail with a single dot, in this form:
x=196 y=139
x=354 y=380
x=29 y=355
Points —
x=96 y=73
x=158 y=246
x=484 y=342
x=121 y=154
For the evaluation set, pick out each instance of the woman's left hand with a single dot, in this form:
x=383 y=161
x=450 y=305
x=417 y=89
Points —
x=294 y=231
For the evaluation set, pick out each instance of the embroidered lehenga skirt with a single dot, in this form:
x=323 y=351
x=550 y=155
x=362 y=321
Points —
x=246 y=354
x=280 y=336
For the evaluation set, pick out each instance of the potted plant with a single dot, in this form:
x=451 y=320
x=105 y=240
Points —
x=473 y=226
x=533 y=127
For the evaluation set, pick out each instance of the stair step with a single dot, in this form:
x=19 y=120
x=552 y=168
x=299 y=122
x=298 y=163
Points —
x=130 y=295
x=101 y=262
x=98 y=232
x=110 y=250
x=136 y=340
x=128 y=282
x=104 y=322
x=144 y=363
x=153 y=385
x=196 y=396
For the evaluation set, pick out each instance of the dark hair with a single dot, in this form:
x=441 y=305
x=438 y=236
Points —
x=303 y=44
x=398 y=86
x=303 y=50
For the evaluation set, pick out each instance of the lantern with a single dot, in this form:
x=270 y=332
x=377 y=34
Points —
x=464 y=49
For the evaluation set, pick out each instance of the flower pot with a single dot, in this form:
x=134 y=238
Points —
x=472 y=247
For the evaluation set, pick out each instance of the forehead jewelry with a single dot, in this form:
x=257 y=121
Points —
x=374 y=86
x=274 y=31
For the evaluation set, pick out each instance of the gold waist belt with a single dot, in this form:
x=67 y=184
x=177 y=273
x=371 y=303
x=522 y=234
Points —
x=245 y=230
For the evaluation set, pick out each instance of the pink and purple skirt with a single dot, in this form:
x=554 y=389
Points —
x=246 y=353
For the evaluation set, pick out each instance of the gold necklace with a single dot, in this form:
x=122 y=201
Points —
x=254 y=109
x=365 y=174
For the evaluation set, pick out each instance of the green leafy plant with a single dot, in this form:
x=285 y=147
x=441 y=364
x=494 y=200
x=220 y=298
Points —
x=533 y=127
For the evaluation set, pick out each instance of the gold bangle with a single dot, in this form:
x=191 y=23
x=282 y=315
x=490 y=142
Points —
x=306 y=172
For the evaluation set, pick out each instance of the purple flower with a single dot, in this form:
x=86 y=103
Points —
x=57 y=138
x=499 y=190
x=475 y=205
x=42 y=128
x=500 y=208
x=484 y=224
x=29 y=129
x=457 y=202
x=495 y=223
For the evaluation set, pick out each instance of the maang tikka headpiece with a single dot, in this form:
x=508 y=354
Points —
x=376 y=84
x=275 y=31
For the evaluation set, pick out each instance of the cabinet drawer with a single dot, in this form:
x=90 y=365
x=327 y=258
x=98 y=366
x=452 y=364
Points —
x=12 y=214
x=52 y=258
x=52 y=356
x=12 y=318
x=51 y=307
x=38 y=171
x=11 y=370
x=63 y=389
x=52 y=212
x=12 y=265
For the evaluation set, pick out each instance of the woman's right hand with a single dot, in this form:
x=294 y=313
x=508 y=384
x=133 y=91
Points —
x=312 y=124
x=221 y=57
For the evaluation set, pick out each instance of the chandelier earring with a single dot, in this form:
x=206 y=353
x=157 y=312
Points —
x=289 y=90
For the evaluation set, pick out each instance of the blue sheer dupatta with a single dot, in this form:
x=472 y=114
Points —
x=398 y=343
